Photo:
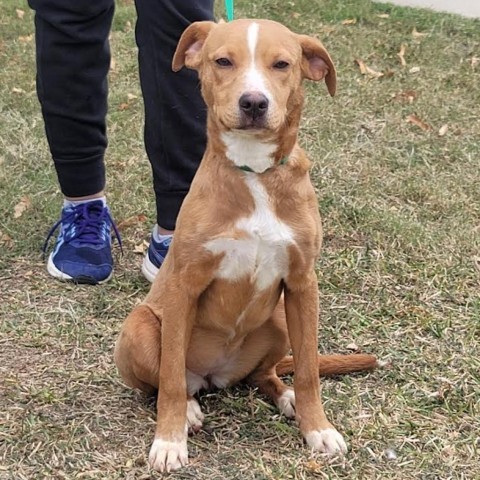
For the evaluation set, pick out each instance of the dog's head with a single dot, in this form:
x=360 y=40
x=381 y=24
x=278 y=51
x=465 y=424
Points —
x=251 y=71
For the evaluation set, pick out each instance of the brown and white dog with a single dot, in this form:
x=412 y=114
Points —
x=238 y=286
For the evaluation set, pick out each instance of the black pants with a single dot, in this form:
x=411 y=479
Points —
x=73 y=57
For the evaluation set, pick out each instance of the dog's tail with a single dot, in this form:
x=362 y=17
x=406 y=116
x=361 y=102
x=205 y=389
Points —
x=329 y=365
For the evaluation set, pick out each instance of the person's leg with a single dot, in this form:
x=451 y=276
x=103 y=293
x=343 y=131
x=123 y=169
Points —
x=175 y=114
x=73 y=58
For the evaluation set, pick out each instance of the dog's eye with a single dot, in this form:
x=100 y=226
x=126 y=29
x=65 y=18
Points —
x=281 y=65
x=223 y=62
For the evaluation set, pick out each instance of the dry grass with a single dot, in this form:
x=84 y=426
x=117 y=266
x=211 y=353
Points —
x=399 y=275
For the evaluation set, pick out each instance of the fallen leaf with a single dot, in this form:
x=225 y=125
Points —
x=123 y=106
x=349 y=21
x=296 y=15
x=383 y=15
x=113 y=64
x=401 y=55
x=140 y=248
x=474 y=61
x=128 y=26
x=419 y=123
x=327 y=29
x=25 y=38
x=443 y=130
x=314 y=466
x=17 y=90
x=6 y=240
x=131 y=96
x=416 y=34
x=21 y=206
x=20 y=13
x=128 y=222
x=362 y=66
x=374 y=73
x=366 y=70
x=414 y=70
x=406 y=96
x=352 y=346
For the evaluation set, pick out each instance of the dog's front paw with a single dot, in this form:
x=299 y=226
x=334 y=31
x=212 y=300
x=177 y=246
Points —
x=168 y=456
x=194 y=416
x=327 y=441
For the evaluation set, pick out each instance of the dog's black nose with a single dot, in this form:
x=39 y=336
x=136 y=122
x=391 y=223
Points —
x=253 y=104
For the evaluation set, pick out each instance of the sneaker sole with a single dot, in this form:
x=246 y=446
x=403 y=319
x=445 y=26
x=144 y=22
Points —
x=149 y=270
x=55 y=272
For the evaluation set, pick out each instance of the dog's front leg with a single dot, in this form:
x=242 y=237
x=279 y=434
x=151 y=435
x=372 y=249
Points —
x=169 y=449
x=301 y=306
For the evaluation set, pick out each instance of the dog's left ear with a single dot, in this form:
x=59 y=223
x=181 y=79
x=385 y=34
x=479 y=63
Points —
x=189 y=47
x=316 y=62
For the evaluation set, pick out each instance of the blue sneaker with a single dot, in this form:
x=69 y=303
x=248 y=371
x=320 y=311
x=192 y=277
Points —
x=83 y=251
x=155 y=256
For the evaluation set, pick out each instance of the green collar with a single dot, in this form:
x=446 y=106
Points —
x=246 y=168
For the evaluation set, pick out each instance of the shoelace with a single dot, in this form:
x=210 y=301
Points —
x=85 y=223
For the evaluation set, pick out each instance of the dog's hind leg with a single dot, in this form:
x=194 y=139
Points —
x=272 y=386
x=137 y=351
x=265 y=376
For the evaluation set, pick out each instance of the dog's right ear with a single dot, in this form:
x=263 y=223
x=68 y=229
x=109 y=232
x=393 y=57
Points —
x=189 y=47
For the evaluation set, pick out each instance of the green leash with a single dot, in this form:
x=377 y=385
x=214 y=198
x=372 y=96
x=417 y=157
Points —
x=229 y=8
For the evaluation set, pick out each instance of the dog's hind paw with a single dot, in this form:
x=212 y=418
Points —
x=286 y=403
x=194 y=416
x=327 y=441
x=168 y=456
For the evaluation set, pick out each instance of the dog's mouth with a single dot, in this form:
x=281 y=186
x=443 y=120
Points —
x=250 y=127
x=252 y=124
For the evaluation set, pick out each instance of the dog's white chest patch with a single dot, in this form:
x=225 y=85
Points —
x=263 y=254
x=246 y=151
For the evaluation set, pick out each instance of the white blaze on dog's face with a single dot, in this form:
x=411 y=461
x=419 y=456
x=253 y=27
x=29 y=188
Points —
x=251 y=71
